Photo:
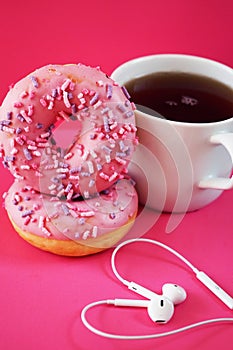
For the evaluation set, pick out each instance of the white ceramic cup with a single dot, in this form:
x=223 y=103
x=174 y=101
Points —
x=179 y=166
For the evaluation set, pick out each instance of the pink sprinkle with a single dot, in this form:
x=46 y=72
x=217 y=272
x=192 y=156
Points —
x=45 y=135
x=100 y=83
x=133 y=127
x=30 y=142
x=64 y=115
x=19 y=140
x=26 y=117
x=18 y=104
x=24 y=94
x=27 y=220
x=39 y=139
x=133 y=106
x=43 y=145
x=85 y=91
x=43 y=102
x=32 y=94
x=36 y=206
x=120 y=161
x=72 y=86
x=68 y=155
x=81 y=106
x=101 y=135
x=127 y=127
x=91 y=93
x=103 y=176
x=73 y=213
x=70 y=194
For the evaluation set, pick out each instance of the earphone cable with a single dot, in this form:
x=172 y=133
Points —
x=146 y=336
x=162 y=245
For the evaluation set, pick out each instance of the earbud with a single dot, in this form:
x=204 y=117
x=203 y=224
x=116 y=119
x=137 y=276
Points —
x=175 y=293
x=160 y=307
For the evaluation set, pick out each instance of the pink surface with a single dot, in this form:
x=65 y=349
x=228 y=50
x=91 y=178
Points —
x=41 y=295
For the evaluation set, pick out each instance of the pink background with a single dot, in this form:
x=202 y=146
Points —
x=41 y=295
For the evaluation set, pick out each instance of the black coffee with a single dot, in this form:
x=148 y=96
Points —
x=182 y=97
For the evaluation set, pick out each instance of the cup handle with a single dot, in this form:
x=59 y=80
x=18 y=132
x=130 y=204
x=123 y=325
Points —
x=220 y=183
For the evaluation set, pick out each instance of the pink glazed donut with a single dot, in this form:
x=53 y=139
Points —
x=67 y=134
x=67 y=130
x=72 y=228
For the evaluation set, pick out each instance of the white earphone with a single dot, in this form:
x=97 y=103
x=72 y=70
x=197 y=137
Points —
x=160 y=307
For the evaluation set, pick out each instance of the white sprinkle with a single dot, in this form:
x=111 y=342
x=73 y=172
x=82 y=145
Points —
x=93 y=154
x=87 y=213
x=113 y=176
x=66 y=99
x=14 y=151
x=18 y=177
x=65 y=84
x=94 y=231
x=42 y=144
x=7 y=129
x=41 y=221
x=85 y=155
x=32 y=148
x=62 y=170
x=86 y=234
x=36 y=153
x=51 y=105
x=90 y=167
x=115 y=136
x=70 y=194
x=108 y=158
x=25 y=167
x=113 y=126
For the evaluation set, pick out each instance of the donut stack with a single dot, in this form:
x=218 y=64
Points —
x=67 y=135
